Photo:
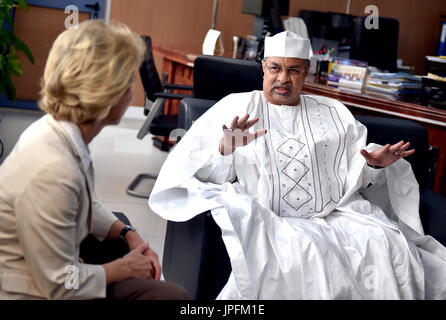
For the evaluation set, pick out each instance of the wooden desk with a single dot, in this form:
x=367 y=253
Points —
x=179 y=65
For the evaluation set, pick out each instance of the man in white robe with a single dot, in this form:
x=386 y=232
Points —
x=306 y=210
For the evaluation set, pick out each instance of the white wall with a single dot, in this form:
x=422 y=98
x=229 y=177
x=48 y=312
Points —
x=12 y=123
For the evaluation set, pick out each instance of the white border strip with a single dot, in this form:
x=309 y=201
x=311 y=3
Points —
x=107 y=11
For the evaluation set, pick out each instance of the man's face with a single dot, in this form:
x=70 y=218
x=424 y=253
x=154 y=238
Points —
x=283 y=79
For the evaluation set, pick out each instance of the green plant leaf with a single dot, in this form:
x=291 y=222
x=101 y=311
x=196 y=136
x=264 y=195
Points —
x=23 y=4
x=9 y=46
x=6 y=36
x=7 y=3
x=21 y=46
x=14 y=67
x=4 y=15
x=13 y=64
x=3 y=48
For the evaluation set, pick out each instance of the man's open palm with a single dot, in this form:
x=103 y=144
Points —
x=238 y=135
x=388 y=154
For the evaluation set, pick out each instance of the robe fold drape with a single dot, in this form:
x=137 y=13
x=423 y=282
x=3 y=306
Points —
x=302 y=215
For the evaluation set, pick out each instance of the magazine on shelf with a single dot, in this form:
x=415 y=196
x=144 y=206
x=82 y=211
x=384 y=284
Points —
x=347 y=73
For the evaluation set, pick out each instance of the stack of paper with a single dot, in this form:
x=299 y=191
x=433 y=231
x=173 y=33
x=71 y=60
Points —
x=397 y=84
x=441 y=59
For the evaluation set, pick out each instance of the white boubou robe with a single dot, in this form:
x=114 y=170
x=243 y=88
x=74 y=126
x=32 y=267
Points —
x=302 y=215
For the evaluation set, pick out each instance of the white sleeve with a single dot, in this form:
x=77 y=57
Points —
x=373 y=176
x=217 y=169
x=370 y=176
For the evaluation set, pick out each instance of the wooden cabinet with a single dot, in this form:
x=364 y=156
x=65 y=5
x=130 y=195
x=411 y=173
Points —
x=179 y=68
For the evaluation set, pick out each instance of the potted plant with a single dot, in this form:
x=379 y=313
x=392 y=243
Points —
x=9 y=46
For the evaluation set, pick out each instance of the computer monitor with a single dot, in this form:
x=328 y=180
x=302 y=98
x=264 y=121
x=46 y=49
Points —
x=263 y=7
x=267 y=15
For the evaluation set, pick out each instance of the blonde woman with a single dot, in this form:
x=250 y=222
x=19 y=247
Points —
x=47 y=199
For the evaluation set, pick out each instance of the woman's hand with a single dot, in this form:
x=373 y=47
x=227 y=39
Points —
x=137 y=264
x=134 y=240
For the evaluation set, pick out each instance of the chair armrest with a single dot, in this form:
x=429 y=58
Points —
x=433 y=214
x=183 y=251
x=195 y=256
x=154 y=111
x=191 y=109
x=178 y=86
x=169 y=95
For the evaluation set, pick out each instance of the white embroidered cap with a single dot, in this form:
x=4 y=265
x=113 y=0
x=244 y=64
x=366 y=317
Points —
x=287 y=44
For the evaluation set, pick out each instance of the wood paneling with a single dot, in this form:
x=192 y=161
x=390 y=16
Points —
x=180 y=23
x=185 y=22
x=38 y=28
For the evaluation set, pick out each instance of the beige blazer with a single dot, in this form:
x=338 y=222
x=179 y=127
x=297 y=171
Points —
x=47 y=207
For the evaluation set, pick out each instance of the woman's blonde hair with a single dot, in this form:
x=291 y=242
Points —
x=89 y=69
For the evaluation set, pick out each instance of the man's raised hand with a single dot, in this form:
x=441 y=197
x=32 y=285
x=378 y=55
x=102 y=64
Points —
x=388 y=154
x=238 y=135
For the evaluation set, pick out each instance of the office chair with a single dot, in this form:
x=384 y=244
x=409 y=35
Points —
x=214 y=78
x=379 y=47
x=200 y=263
x=194 y=253
x=158 y=124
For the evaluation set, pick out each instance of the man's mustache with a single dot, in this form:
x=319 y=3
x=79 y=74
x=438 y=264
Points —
x=283 y=86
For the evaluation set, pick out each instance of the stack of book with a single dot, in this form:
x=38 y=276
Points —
x=347 y=74
x=434 y=83
x=400 y=85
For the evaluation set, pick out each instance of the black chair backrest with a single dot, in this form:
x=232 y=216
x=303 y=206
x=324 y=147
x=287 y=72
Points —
x=149 y=75
x=191 y=109
x=379 y=47
x=391 y=130
x=216 y=77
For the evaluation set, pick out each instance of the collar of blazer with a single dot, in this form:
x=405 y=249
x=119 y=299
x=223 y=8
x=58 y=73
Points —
x=73 y=139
